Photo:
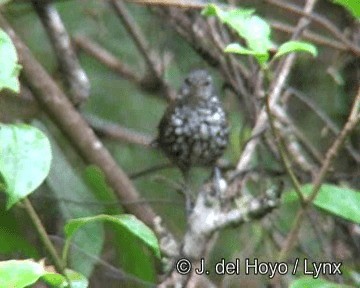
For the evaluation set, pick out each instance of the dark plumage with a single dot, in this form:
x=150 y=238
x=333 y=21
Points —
x=194 y=129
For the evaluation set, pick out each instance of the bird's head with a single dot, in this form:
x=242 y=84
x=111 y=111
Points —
x=198 y=85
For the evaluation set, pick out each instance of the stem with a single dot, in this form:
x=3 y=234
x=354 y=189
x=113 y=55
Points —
x=59 y=265
x=282 y=151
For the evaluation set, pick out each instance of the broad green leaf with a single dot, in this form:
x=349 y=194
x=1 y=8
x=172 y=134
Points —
x=128 y=222
x=20 y=273
x=343 y=202
x=10 y=68
x=57 y=280
x=296 y=46
x=25 y=158
x=353 y=6
x=129 y=256
x=304 y=282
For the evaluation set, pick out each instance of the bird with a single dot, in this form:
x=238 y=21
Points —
x=194 y=130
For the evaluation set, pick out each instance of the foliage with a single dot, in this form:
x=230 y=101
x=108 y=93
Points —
x=256 y=32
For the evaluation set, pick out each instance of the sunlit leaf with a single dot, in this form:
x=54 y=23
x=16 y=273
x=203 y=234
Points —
x=10 y=68
x=25 y=158
x=20 y=273
x=296 y=46
x=343 y=202
x=252 y=28
x=128 y=222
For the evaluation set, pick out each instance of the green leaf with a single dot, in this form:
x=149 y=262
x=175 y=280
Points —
x=315 y=283
x=20 y=273
x=10 y=69
x=352 y=6
x=343 y=202
x=126 y=221
x=296 y=46
x=57 y=280
x=25 y=158
x=129 y=256
x=252 y=28
x=238 y=49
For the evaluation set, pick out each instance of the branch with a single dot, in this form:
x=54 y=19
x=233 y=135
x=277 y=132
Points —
x=75 y=78
x=211 y=214
x=106 y=58
x=116 y=132
x=112 y=62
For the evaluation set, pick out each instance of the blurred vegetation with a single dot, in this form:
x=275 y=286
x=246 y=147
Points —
x=69 y=191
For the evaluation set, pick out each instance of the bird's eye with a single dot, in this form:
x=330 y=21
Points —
x=207 y=82
x=187 y=81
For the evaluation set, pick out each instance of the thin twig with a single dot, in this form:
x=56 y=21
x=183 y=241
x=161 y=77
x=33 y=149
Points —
x=283 y=155
x=116 y=132
x=155 y=71
x=316 y=38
